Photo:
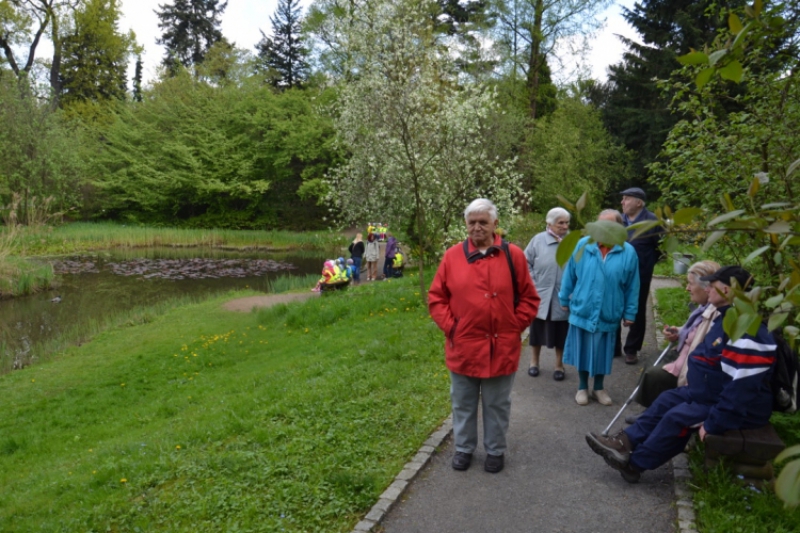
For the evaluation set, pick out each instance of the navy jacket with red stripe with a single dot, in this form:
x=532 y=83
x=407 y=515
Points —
x=733 y=378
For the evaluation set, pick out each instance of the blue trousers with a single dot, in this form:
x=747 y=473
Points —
x=495 y=397
x=662 y=431
x=356 y=268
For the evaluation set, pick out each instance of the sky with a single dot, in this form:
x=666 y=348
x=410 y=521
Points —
x=243 y=19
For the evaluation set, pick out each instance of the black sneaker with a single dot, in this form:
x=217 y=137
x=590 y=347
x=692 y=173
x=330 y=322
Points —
x=616 y=449
x=494 y=463
x=461 y=460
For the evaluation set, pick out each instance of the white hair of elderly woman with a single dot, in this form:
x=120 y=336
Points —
x=556 y=214
x=481 y=205
x=703 y=268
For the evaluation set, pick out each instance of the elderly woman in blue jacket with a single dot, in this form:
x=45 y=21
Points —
x=600 y=287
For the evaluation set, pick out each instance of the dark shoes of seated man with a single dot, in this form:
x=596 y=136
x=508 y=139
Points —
x=616 y=451
x=493 y=464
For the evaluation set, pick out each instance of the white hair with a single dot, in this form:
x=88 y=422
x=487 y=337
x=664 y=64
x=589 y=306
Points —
x=481 y=205
x=555 y=214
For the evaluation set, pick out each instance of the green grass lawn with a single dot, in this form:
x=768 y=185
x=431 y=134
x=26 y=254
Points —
x=722 y=505
x=294 y=418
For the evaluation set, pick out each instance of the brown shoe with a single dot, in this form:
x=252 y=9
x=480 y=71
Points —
x=631 y=359
x=616 y=449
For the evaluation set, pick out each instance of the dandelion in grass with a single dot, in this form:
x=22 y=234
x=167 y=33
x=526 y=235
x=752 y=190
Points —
x=123 y=480
x=178 y=447
x=33 y=381
x=121 y=384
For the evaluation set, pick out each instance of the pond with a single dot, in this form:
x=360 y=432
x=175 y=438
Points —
x=92 y=287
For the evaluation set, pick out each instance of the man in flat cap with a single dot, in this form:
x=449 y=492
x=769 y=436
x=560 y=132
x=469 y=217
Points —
x=646 y=246
x=728 y=388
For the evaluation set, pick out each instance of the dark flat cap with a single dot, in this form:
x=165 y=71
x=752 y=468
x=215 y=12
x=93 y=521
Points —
x=724 y=275
x=636 y=192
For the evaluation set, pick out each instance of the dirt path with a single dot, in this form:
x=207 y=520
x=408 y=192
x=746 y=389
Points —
x=245 y=305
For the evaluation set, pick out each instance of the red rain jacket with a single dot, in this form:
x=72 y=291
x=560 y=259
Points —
x=472 y=301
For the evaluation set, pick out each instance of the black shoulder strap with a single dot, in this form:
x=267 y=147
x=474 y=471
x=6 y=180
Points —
x=513 y=273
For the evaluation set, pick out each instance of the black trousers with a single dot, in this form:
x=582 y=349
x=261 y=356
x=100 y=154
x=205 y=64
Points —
x=635 y=339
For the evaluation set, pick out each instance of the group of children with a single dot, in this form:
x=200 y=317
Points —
x=378 y=229
x=335 y=273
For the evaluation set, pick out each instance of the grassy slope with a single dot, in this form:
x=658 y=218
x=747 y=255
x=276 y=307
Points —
x=723 y=506
x=294 y=418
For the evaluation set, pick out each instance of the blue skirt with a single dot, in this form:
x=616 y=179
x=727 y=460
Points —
x=590 y=352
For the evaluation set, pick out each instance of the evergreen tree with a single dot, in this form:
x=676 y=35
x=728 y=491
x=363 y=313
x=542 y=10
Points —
x=283 y=57
x=635 y=110
x=190 y=28
x=137 y=80
x=95 y=55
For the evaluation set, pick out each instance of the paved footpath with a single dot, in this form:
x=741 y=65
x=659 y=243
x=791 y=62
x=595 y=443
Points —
x=552 y=481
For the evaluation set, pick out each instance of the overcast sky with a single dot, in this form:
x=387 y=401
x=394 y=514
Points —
x=243 y=19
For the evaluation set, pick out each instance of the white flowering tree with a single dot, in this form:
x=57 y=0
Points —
x=415 y=136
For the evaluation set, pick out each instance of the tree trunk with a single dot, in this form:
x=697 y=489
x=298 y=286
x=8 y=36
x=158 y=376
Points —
x=535 y=62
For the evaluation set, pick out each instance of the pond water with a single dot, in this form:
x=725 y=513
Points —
x=97 y=285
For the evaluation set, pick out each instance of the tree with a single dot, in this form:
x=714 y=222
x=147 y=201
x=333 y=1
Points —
x=635 y=110
x=95 y=55
x=415 y=137
x=189 y=28
x=137 y=80
x=202 y=154
x=573 y=154
x=531 y=29
x=283 y=55
x=40 y=152
x=23 y=23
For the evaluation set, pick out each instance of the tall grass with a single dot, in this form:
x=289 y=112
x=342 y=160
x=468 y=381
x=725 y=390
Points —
x=84 y=236
x=20 y=277
x=294 y=419
x=284 y=283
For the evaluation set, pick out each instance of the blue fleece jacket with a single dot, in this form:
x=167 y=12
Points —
x=600 y=291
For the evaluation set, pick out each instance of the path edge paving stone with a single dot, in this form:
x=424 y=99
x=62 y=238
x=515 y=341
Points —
x=411 y=470
x=684 y=497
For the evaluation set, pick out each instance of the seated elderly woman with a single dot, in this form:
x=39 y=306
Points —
x=688 y=337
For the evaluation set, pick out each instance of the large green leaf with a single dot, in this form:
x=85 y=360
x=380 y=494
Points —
x=566 y=203
x=713 y=238
x=779 y=226
x=703 y=77
x=693 y=58
x=754 y=254
x=714 y=57
x=729 y=321
x=727 y=216
x=566 y=247
x=792 y=168
x=607 y=232
x=734 y=23
x=787 y=486
x=641 y=227
x=686 y=215
x=776 y=321
x=733 y=71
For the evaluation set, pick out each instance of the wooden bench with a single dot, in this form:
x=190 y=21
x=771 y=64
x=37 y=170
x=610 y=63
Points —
x=747 y=452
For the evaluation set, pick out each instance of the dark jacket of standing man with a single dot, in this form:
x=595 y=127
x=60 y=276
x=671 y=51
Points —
x=646 y=246
x=472 y=301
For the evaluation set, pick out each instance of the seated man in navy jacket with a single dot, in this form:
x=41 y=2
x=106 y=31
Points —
x=728 y=388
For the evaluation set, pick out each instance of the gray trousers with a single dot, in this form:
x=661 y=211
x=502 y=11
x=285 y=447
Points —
x=495 y=395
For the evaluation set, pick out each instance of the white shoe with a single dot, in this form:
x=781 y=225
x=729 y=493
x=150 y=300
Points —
x=582 y=397
x=602 y=397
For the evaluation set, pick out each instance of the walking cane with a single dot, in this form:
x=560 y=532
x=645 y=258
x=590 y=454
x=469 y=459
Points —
x=633 y=394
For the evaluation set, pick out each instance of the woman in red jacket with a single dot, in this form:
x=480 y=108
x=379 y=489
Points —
x=482 y=298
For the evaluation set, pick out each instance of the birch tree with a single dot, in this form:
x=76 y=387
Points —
x=414 y=135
